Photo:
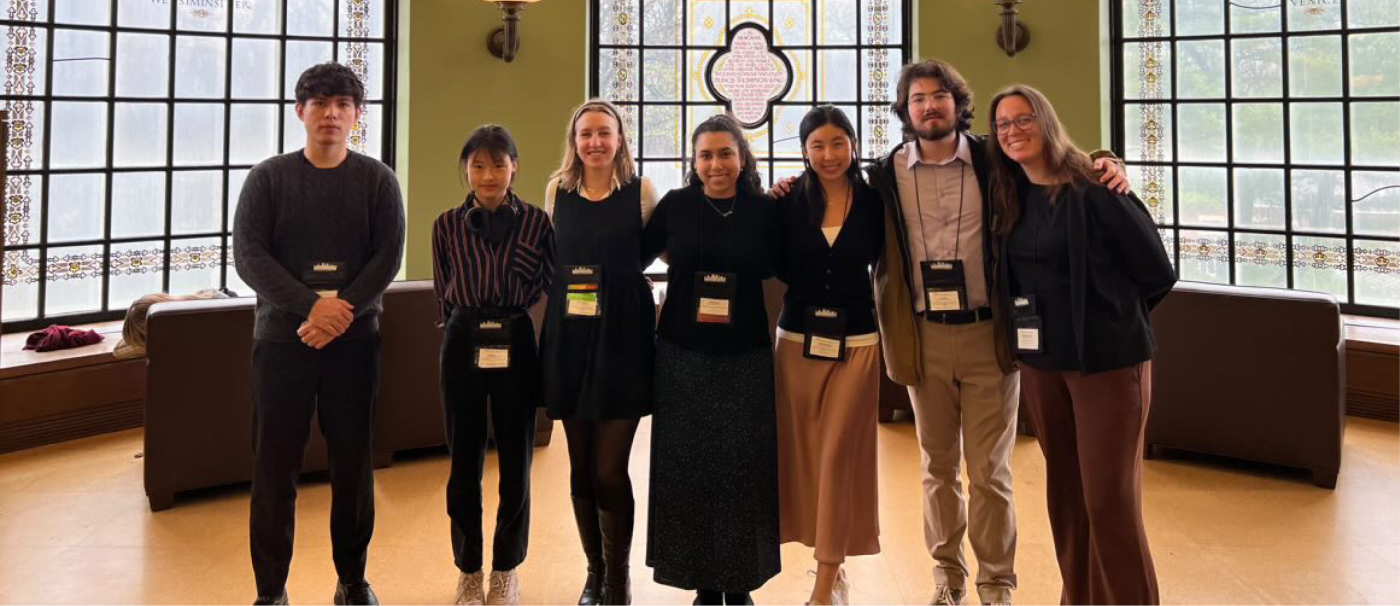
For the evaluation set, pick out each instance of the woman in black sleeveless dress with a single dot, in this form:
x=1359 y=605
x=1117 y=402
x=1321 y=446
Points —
x=596 y=346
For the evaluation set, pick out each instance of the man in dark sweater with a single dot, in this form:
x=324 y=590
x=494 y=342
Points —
x=319 y=236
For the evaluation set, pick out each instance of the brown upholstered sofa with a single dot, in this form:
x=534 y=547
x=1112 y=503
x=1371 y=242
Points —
x=199 y=413
x=1250 y=373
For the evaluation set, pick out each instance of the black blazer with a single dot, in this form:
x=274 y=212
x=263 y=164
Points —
x=1119 y=271
x=837 y=275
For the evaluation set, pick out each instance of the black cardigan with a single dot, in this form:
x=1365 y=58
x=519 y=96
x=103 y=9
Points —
x=837 y=275
x=696 y=238
x=1118 y=271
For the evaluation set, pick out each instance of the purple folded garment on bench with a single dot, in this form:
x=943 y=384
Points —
x=58 y=337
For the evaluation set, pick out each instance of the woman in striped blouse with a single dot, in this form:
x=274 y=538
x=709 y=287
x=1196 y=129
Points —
x=493 y=257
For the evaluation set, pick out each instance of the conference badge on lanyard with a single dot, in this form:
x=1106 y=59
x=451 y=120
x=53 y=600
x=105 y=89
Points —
x=945 y=286
x=1025 y=319
x=491 y=343
x=714 y=296
x=825 y=338
x=325 y=277
x=583 y=289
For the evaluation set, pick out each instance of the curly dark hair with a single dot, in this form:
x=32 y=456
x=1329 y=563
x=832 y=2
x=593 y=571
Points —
x=749 y=180
x=951 y=81
x=330 y=79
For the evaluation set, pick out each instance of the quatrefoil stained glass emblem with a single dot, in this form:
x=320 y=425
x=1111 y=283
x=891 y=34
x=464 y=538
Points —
x=749 y=75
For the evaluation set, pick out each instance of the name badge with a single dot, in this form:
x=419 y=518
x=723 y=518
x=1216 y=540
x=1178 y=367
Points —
x=945 y=285
x=326 y=278
x=492 y=358
x=583 y=288
x=714 y=296
x=1025 y=320
x=825 y=338
x=491 y=341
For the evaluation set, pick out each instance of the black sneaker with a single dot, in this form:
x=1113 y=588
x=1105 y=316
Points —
x=355 y=593
x=280 y=600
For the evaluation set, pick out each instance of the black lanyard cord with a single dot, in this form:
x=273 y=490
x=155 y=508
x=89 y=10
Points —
x=938 y=193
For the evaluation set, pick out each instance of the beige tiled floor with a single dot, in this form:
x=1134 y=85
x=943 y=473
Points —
x=75 y=528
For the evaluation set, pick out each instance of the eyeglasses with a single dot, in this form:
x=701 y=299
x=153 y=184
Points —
x=1022 y=122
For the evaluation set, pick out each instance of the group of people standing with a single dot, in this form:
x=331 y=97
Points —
x=937 y=256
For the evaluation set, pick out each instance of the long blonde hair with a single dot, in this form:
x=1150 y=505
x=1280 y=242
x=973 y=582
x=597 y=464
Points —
x=1063 y=158
x=570 y=172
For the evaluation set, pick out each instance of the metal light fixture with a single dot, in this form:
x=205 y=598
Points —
x=1012 y=35
x=504 y=41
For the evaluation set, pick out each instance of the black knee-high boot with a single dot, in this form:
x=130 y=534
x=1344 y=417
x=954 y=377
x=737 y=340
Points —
x=591 y=535
x=617 y=551
x=707 y=597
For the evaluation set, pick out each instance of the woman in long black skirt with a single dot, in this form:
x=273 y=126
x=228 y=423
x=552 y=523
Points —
x=713 y=521
x=597 y=339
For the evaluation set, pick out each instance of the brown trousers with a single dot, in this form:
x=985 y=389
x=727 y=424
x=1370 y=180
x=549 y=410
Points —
x=1091 y=430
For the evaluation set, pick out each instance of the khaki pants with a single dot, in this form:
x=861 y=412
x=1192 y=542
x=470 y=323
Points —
x=965 y=406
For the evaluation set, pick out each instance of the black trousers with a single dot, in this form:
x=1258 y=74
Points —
x=290 y=382
x=512 y=394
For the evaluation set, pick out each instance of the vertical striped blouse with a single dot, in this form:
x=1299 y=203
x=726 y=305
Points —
x=468 y=271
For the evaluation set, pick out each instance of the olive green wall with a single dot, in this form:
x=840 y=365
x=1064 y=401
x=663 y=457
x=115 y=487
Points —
x=1062 y=60
x=451 y=84
x=455 y=85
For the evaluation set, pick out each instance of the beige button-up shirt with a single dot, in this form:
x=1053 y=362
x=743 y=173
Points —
x=930 y=194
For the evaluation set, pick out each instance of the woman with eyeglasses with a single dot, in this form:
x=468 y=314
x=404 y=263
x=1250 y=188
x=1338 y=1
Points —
x=1081 y=268
x=493 y=257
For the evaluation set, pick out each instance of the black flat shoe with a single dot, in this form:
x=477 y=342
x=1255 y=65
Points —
x=357 y=593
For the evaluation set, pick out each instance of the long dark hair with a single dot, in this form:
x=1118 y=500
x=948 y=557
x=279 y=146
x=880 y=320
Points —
x=810 y=182
x=749 y=181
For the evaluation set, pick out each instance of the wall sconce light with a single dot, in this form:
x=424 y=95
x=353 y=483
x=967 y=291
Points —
x=504 y=41
x=1012 y=35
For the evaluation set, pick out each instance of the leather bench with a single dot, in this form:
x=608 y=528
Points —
x=1250 y=373
x=199 y=411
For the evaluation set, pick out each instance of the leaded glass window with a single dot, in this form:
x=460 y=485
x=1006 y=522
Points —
x=133 y=124
x=669 y=64
x=1264 y=136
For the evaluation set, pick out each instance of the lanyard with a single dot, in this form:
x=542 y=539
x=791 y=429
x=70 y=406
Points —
x=937 y=192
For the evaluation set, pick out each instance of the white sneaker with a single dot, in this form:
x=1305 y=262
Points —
x=944 y=595
x=841 y=589
x=469 y=590
x=505 y=588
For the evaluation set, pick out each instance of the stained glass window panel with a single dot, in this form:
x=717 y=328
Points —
x=149 y=75
x=842 y=52
x=1315 y=66
x=1319 y=200
x=73 y=280
x=1260 y=260
x=136 y=270
x=1201 y=64
x=1259 y=198
x=1376 y=209
x=1377 y=267
x=80 y=66
x=75 y=206
x=1300 y=132
x=139 y=135
x=1320 y=265
x=138 y=204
